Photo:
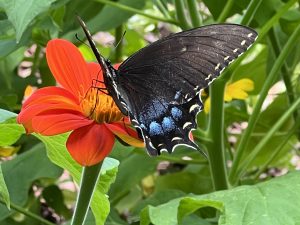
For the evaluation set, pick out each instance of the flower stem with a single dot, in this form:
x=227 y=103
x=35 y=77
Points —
x=27 y=213
x=139 y=12
x=255 y=114
x=216 y=153
x=89 y=180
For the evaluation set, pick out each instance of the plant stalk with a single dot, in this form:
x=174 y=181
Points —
x=89 y=179
x=194 y=13
x=181 y=17
x=216 y=150
x=250 y=12
x=119 y=39
x=224 y=14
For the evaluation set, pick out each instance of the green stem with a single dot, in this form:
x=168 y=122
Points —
x=194 y=13
x=88 y=183
x=162 y=8
x=255 y=114
x=181 y=17
x=275 y=153
x=250 y=12
x=136 y=11
x=28 y=213
x=119 y=48
x=284 y=70
x=216 y=153
x=224 y=14
x=36 y=60
x=266 y=139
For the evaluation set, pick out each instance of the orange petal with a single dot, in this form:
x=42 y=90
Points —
x=51 y=95
x=43 y=100
x=57 y=121
x=96 y=75
x=68 y=66
x=89 y=145
x=126 y=134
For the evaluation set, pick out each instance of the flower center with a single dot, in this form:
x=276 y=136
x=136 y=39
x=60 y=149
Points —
x=100 y=107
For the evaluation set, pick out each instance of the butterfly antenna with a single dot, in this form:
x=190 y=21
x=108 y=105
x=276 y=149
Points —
x=121 y=39
x=119 y=42
x=81 y=41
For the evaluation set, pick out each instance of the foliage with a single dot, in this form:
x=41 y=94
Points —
x=248 y=142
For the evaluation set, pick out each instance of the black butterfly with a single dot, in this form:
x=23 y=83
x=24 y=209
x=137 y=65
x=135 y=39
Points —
x=159 y=86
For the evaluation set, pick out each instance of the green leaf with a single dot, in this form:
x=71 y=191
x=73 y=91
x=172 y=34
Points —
x=21 y=12
x=57 y=152
x=129 y=176
x=5 y=115
x=108 y=18
x=111 y=17
x=20 y=172
x=10 y=132
x=274 y=202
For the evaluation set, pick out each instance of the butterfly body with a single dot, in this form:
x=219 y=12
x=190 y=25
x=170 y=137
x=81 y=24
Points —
x=159 y=86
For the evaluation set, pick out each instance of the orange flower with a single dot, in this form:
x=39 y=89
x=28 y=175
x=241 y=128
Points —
x=77 y=106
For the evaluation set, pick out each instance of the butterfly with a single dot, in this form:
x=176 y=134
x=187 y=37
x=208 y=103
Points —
x=159 y=86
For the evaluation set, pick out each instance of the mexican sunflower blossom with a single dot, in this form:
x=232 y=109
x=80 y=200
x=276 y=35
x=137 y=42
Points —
x=235 y=90
x=77 y=106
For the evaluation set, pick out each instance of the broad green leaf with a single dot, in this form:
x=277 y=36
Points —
x=10 y=132
x=275 y=202
x=20 y=172
x=57 y=152
x=5 y=115
x=108 y=18
x=129 y=176
x=111 y=17
x=21 y=12
x=193 y=179
x=216 y=7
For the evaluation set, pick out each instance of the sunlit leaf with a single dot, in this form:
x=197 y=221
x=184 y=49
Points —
x=57 y=152
x=21 y=12
x=270 y=203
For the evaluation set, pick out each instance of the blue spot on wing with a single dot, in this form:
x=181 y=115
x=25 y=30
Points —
x=168 y=124
x=176 y=113
x=155 y=128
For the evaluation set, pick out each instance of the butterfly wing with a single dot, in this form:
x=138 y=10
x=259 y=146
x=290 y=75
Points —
x=160 y=84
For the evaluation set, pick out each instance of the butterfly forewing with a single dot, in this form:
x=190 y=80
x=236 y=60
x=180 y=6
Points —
x=160 y=84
